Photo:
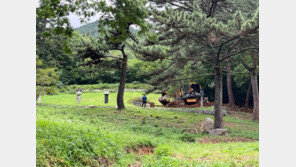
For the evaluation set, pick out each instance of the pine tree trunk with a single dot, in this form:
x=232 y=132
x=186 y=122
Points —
x=229 y=84
x=218 y=98
x=255 y=96
x=120 y=102
x=248 y=96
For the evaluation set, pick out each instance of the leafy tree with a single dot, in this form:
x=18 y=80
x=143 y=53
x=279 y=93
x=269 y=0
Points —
x=46 y=79
x=115 y=26
x=190 y=31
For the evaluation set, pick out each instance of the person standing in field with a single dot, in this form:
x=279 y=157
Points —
x=78 y=93
x=144 y=100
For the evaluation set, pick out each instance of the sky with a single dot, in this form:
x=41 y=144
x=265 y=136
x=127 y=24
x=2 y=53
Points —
x=75 y=22
x=74 y=19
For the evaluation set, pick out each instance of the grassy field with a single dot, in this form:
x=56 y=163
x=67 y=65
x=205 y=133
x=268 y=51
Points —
x=97 y=99
x=72 y=136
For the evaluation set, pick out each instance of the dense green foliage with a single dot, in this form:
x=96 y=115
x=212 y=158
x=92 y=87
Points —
x=90 y=29
x=94 y=87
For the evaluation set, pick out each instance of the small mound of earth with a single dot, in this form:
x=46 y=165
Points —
x=206 y=140
x=138 y=164
x=104 y=161
x=236 y=108
x=175 y=104
x=141 y=150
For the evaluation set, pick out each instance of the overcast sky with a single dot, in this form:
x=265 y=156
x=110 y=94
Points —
x=75 y=22
x=74 y=19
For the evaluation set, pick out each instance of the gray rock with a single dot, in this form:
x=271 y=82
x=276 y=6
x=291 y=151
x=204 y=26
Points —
x=206 y=125
x=216 y=132
x=224 y=112
x=138 y=103
x=91 y=106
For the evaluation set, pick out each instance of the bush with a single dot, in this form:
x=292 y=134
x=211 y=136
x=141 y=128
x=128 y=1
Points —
x=187 y=137
x=48 y=90
x=64 y=144
x=163 y=150
x=165 y=161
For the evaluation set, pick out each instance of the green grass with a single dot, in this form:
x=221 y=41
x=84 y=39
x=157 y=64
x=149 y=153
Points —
x=71 y=136
x=95 y=98
x=98 y=98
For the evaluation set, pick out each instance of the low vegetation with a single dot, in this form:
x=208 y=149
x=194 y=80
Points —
x=73 y=136
x=95 y=87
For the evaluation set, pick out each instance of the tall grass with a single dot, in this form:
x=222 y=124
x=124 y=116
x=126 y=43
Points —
x=70 y=136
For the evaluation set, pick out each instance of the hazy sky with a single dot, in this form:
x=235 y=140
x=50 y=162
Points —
x=75 y=22
x=74 y=19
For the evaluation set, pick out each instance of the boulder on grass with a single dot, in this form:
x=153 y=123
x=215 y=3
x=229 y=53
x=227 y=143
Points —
x=164 y=99
x=206 y=125
x=216 y=132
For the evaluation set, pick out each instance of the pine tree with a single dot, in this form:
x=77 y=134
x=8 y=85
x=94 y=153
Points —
x=191 y=32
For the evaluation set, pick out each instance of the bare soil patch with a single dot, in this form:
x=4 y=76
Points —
x=177 y=105
x=104 y=161
x=141 y=150
x=223 y=139
x=236 y=108
x=137 y=164
x=230 y=124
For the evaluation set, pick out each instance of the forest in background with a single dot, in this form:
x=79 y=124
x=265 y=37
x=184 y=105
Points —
x=70 y=71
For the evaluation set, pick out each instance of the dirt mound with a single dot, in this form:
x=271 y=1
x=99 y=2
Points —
x=206 y=140
x=141 y=150
x=138 y=164
x=104 y=161
x=236 y=108
x=175 y=104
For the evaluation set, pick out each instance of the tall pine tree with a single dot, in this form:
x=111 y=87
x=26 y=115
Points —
x=189 y=31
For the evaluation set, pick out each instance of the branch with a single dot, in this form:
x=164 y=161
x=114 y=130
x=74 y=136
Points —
x=112 y=56
x=181 y=7
x=235 y=53
x=246 y=65
x=203 y=75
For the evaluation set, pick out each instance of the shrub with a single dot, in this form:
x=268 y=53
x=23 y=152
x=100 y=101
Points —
x=187 y=137
x=163 y=150
x=165 y=161
x=64 y=144
x=91 y=88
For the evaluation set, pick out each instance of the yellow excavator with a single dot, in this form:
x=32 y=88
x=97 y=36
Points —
x=190 y=94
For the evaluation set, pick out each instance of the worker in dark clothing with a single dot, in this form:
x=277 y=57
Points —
x=144 y=100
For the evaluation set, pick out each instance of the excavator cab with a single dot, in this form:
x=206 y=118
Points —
x=193 y=94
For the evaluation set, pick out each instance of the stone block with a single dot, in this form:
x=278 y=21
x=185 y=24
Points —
x=216 y=132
